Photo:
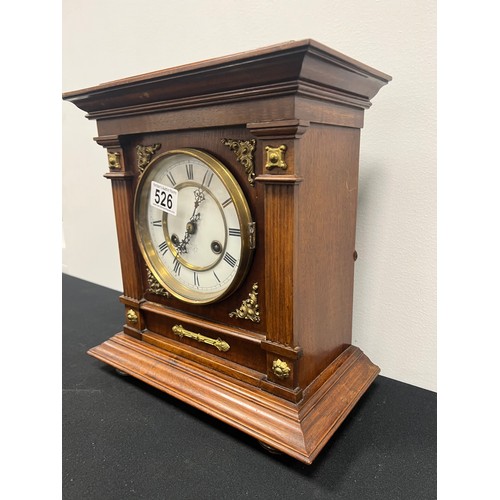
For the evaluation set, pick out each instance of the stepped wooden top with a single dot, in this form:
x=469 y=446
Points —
x=299 y=67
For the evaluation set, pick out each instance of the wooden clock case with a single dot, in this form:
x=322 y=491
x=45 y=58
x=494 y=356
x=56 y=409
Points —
x=285 y=120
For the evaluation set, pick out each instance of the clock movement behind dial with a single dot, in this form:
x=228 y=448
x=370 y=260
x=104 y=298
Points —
x=235 y=189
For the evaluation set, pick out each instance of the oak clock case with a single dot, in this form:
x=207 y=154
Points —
x=193 y=225
x=234 y=183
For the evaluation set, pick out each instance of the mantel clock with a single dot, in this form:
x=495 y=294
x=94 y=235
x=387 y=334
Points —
x=234 y=183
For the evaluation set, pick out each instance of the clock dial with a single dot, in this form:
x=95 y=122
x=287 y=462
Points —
x=193 y=225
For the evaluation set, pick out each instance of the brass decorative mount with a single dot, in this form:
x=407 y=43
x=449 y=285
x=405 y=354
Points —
x=281 y=369
x=218 y=343
x=144 y=154
x=154 y=286
x=249 y=308
x=132 y=316
x=244 y=154
x=275 y=157
x=114 y=160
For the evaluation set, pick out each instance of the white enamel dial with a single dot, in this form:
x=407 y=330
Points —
x=193 y=225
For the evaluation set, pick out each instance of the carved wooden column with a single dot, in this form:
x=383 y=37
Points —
x=122 y=177
x=278 y=143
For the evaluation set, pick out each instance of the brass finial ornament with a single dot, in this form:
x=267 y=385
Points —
x=249 y=308
x=144 y=154
x=281 y=369
x=244 y=154
x=275 y=157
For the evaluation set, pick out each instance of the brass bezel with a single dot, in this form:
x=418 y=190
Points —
x=149 y=252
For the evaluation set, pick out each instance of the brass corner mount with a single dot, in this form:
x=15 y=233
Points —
x=144 y=155
x=244 y=154
x=249 y=308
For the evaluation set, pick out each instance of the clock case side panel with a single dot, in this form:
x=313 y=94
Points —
x=328 y=162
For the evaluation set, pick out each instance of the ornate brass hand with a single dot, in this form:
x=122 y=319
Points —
x=191 y=226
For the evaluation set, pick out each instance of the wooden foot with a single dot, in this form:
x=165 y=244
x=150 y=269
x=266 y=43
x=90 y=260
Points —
x=270 y=449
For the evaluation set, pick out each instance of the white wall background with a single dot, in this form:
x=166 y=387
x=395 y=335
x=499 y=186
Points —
x=395 y=282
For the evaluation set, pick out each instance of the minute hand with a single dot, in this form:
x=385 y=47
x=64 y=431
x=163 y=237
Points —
x=191 y=225
x=199 y=196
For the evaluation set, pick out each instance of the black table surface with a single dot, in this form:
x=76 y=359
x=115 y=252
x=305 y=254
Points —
x=123 y=439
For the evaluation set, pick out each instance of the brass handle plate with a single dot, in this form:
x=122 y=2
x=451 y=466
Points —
x=219 y=344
